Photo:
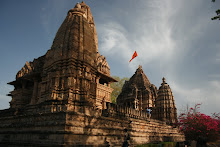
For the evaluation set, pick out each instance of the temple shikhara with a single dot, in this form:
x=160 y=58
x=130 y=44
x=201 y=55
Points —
x=63 y=98
x=139 y=94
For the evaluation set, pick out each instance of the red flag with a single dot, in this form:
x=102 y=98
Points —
x=134 y=55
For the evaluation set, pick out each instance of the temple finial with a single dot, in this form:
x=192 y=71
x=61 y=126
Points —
x=164 y=80
x=78 y=5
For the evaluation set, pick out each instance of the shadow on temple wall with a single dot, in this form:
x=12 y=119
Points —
x=104 y=126
x=26 y=125
x=123 y=117
x=86 y=125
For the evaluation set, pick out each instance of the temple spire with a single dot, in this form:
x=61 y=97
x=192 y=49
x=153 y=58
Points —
x=165 y=105
x=164 y=80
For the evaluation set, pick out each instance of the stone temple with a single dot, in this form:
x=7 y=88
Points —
x=139 y=94
x=63 y=97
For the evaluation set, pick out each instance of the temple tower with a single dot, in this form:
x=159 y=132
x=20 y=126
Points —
x=165 y=108
x=70 y=68
x=138 y=92
x=71 y=72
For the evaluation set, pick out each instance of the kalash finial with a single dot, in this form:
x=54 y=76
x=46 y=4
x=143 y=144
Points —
x=164 y=80
x=140 y=69
x=78 y=6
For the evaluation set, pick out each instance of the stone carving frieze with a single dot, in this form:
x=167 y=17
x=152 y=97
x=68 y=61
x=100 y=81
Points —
x=103 y=65
x=28 y=68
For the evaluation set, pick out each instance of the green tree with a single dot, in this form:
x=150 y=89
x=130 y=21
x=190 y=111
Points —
x=117 y=86
x=217 y=12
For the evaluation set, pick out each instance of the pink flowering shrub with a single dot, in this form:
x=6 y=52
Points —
x=197 y=125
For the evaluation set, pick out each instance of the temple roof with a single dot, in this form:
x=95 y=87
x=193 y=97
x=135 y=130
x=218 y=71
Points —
x=164 y=85
x=139 y=80
x=141 y=77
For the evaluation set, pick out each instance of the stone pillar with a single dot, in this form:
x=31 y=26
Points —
x=23 y=82
x=35 y=90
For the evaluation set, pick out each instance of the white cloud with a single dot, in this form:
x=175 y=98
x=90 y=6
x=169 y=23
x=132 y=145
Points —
x=215 y=85
x=113 y=37
x=194 y=95
x=156 y=31
x=214 y=76
x=149 y=34
x=113 y=41
x=208 y=96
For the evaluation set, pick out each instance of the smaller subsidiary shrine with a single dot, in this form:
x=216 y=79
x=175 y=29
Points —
x=140 y=94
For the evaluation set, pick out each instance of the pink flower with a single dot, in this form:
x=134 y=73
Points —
x=192 y=124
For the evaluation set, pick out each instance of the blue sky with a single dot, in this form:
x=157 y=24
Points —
x=173 y=38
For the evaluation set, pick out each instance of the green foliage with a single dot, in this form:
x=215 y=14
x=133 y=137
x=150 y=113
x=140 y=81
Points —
x=217 y=12
x=117 y=86
x=218 y=15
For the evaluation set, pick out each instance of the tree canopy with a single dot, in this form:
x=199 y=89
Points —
x=117 y=86
x=217 y=12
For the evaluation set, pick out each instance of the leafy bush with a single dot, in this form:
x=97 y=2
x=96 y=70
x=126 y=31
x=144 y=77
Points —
x=198 y=126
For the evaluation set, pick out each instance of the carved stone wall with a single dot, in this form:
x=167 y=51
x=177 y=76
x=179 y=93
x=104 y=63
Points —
x=43 y=125
x=138 y=92
x=103 y=65
x=165 y=104
x=103 y=94
x=26 y=83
